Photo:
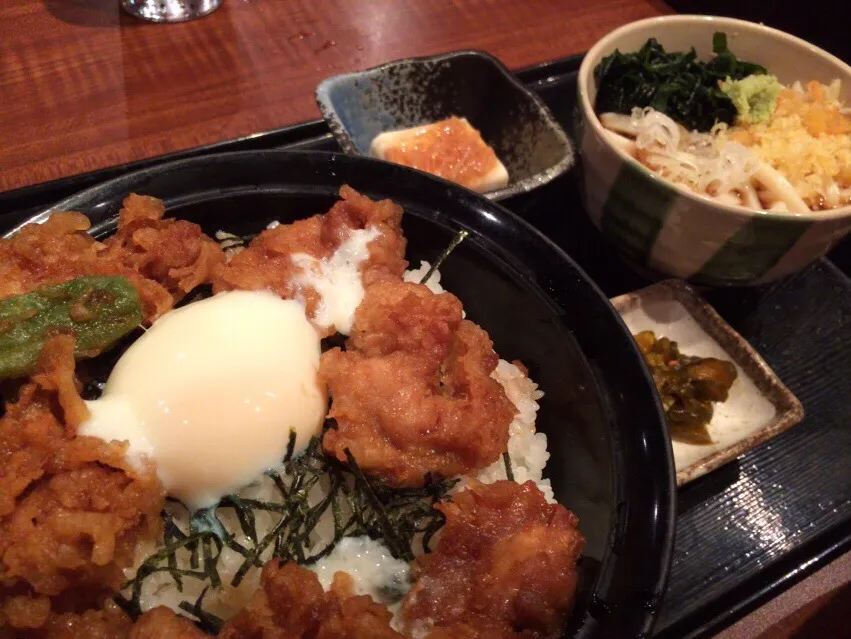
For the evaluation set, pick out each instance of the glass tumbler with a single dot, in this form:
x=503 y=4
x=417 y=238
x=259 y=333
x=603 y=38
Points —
x=170 y=10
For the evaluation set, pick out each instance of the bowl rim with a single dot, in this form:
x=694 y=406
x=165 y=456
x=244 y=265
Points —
x=344 y=139
x=586 y=75
x=636 y=608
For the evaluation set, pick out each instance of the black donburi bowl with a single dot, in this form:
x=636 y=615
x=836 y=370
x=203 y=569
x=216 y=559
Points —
x=611 y=461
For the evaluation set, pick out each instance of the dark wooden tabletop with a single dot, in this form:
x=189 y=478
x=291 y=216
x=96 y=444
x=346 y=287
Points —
x=83 y=86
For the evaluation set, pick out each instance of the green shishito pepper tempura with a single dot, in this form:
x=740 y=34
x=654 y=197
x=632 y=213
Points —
x=97 y=310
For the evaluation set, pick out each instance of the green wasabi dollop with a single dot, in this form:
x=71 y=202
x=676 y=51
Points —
x=755 y=96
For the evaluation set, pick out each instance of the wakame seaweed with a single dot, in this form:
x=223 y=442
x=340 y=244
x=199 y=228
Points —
x=676 y=83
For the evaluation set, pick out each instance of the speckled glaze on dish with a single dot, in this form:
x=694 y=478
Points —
x=664 y=228
x=759 y=406
x=406 y=93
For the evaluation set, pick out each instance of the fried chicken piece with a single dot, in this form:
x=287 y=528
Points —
x=162 y=623
x=413 y=393
x=108 y=623
x=23 y=612
x=267 y=263
x=463 y=630
x=504 y=566
x=71 y=508
x=174 y=253
x=164 y=258
x=292 y=605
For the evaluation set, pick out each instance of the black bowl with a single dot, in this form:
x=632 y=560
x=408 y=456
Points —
x=611 y=459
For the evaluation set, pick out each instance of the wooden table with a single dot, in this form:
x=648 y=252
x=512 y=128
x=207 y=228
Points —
x=83 y=86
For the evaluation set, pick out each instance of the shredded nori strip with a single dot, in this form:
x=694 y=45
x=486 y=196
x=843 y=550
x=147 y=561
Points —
x=397 y=516
x=459 y=237
x=391 y=539
x=208 y=622
x=509 y=472
x=676 y=83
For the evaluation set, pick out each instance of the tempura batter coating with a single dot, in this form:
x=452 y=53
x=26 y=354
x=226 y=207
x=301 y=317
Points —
x=413 y=393
x=267 y=264
x=164 y=258
x=71 y=509
x=174 y=253
x=504 y=566
x=292 y=605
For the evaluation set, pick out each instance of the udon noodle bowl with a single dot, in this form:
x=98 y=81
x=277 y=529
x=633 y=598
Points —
x=795 y=157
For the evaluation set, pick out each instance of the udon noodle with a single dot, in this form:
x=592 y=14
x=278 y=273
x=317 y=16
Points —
x=797 y=161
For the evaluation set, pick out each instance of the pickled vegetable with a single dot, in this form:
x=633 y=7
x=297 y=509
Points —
x=688 y=386
x=97 y=310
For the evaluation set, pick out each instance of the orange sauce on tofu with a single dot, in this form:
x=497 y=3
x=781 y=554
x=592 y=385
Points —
x=451 y=149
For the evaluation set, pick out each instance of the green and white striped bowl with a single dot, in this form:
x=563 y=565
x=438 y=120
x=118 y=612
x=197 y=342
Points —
x=669 y=230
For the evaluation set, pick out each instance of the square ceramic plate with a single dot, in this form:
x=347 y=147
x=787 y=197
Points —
x=759 y=406
x=471 y=84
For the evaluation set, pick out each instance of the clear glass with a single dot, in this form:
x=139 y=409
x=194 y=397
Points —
x=170 y=10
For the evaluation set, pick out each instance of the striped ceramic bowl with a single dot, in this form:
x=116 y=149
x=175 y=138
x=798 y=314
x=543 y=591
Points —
x=666 y=229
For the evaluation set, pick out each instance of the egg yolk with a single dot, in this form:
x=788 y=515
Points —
x=211 y=392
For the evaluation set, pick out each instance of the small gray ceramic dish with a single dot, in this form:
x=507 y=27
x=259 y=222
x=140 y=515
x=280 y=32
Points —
x=759 y=406
x=471 y=84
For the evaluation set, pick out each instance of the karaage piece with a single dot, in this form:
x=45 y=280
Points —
x=162 y=623
x=23 y=612
x=504 y=566
x=164 y=258
x=463 y=630
x=277 y=258
x=292 y=605
x=71 y=508
x=413 y=393
x=174 y=253
x=110 y=622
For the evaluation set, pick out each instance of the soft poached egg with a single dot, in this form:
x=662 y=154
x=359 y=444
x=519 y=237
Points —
x=451 y=149
x=211 y=392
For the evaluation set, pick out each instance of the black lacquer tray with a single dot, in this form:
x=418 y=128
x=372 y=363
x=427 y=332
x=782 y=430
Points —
x=752 y=528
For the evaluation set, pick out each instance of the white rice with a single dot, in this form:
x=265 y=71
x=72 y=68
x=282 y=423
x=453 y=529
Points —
x=527 y=449
x=372 y=567
x=416 y=275
x=233 y=245
x=374 y=570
